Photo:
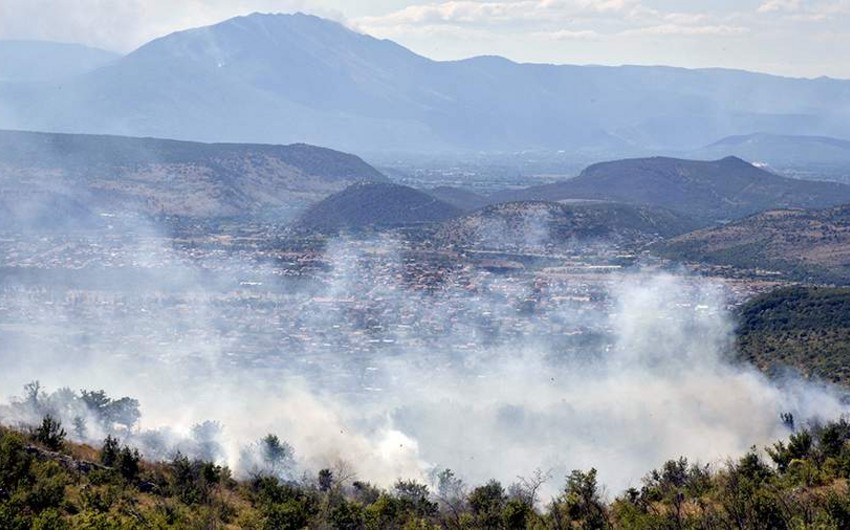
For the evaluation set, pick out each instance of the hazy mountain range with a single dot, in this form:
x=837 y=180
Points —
x=22 y=60
x=298 y=78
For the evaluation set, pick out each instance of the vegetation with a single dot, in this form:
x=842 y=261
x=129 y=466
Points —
x=798 y=483
x=806 y=328
x=801 y=245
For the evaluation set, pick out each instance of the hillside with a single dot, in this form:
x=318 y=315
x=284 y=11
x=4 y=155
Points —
x=299 y=78
x=537 y=223
x=167 y=177
x=807 y=245
x=367 y=205
x=710 y=191
x=805 y=328
x=50 y=482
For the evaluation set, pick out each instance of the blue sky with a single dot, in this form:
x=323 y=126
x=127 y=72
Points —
x=806 y=38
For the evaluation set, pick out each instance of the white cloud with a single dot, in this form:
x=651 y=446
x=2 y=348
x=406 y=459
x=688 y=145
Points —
x=566 y=34
x=675 y=29
x=685 y=18
x=468 y=12
x=771 y=6
x=814 y=11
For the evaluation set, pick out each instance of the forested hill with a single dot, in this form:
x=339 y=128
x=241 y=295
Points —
x=805 y=328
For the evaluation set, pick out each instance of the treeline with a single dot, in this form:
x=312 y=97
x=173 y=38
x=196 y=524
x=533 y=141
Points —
x=47 y=482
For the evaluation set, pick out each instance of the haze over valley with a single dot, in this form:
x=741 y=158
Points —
x=277 y=273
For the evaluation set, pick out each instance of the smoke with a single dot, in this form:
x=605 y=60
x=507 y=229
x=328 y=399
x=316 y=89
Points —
x=388 y=365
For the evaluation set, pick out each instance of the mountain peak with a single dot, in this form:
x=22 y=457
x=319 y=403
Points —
x=297 y=19
x=734 y=160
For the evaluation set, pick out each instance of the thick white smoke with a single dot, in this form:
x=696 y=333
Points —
x=491 y=376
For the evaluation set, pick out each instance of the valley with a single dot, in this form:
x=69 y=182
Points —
x=274 y=272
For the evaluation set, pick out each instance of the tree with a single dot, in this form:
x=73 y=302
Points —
x=34 y=396
x=451 y=494
x=278 y=456
x=582 y=501
x=206 y=436
x=50 y=433
x=109 y=451
x=128 y=463
x=124 y=412
x=414 y=497
x=326 y=479
x=487 y=503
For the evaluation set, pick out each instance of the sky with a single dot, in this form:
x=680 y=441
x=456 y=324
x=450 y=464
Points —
x=800 y=38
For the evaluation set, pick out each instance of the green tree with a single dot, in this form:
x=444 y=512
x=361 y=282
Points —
x=50 y=433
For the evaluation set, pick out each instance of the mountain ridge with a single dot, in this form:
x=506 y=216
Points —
x=289 y=78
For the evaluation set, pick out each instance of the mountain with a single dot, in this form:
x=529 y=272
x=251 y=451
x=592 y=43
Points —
x=25 y=60
x=781 y=150
x=111 y=174
x=808 y=245
x=299 y=78
x=804 y=328
x=710 y=191
x=537 y=223
x=804 y=157
x=372 y=204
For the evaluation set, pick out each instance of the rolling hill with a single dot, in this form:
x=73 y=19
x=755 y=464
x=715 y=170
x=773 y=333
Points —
x=374 y=205
x=709 y=191
x=538 y=223
x=808 y=245
x=166 y=177
x=299 y=78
